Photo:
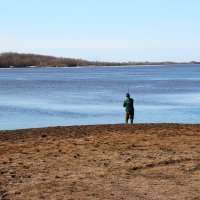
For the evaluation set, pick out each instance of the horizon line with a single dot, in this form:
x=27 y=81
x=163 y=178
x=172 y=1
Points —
x=75 y=58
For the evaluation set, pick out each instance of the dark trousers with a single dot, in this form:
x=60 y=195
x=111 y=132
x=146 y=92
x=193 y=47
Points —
x=130 y=115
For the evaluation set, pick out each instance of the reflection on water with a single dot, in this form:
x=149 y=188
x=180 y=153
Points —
x=73 y=96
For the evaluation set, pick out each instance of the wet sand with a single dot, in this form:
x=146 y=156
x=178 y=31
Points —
x=136 y=162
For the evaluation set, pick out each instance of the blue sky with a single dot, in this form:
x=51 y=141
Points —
x=103 y=30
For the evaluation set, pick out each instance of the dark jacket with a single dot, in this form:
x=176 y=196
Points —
x=128 y=104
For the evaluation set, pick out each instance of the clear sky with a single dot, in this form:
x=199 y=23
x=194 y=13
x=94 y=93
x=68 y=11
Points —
x=103 y=30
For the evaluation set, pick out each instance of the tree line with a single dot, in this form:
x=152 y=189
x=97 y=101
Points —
x=8 y=60
x=27 y=60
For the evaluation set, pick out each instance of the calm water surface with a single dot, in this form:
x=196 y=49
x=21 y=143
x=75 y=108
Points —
x=73 y=96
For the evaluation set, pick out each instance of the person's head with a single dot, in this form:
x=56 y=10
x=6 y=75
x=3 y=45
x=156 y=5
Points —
x=128 y=95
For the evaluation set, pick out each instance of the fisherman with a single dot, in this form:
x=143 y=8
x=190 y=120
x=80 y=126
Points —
x=129 y=108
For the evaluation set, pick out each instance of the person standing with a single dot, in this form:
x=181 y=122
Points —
x=129 y=108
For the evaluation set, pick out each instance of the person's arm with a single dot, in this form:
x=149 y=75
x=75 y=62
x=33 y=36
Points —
x=124 y=105
x=133 y=103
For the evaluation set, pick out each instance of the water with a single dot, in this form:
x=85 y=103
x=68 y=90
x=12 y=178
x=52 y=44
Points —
x=74 y=96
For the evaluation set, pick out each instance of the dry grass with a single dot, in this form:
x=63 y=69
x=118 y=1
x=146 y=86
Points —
x=146 y=161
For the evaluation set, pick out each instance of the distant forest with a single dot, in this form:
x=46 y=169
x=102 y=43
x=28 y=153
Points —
x=17 y=60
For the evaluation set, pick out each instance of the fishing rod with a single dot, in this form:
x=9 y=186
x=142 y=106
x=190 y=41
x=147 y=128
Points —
x=128 y=88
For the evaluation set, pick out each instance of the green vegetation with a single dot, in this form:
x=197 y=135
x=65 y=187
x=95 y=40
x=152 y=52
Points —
x=17 y=60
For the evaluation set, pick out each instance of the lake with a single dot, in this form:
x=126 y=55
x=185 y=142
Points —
x=41 y=97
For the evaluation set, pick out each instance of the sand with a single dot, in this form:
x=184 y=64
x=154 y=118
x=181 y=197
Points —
x=136 y=162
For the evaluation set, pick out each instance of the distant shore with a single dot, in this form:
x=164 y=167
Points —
x=93 y=66
x=139 y=161
x=103 y=66
x=16 y=60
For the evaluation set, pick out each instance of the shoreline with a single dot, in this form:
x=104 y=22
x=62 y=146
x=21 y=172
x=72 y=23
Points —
x=94 y=125
x=17 y=60
x=96 y=66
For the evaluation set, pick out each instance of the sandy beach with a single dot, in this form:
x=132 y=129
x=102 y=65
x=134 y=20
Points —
x=136 y=162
